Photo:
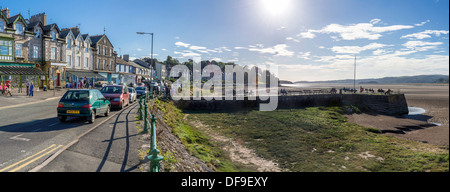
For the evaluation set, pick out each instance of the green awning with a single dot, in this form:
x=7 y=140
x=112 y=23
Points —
x=17 y=70
x=87 y=74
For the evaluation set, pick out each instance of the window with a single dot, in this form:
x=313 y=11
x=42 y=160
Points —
x=35 y=52
x=79 y=45
x=53 y=53
x=98 y=64
x=37 y=33
x=86 y=64
x=98 y=49
x=110 y=53
x=6 y=50
x=87 y=47
x=104 y=50
x=69 y=60
x=53 y=36
x=19 y=50
x=69 y=43
x=2 y=26
x=104 y=64
x=111 y=66
x=78 y=61
x=19 y=28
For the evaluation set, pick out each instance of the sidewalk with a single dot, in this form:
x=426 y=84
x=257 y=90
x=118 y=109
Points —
x=21 y=98
x=111 y=147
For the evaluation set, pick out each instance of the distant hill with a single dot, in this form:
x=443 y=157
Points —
x=391 y=80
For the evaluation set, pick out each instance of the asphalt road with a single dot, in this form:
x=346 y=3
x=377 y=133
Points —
x=30 y=134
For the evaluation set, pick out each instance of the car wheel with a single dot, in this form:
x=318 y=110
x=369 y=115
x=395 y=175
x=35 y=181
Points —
x=62 y=118
x=92 y=118
x=107 y=111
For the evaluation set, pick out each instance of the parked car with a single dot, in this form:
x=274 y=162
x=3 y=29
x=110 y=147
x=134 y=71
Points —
x=118 y=95
x=141 y=91
x=83 y=103
x=133 y=94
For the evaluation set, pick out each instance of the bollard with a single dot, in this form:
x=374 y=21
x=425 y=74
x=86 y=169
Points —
x=154 y=156
x=140 y=108
x=145 y=118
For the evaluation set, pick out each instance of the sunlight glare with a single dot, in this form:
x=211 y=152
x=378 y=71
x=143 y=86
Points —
x=276 y=7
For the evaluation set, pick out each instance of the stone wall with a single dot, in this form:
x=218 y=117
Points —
x=384 y=104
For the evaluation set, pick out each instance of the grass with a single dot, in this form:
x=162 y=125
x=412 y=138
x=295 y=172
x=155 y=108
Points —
x=320 y=139
x=196 y=142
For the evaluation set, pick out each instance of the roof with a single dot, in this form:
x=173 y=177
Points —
x=121 y=61
x=142 y=63
x=18 y=70
x=96 y=38
x=14 y=18
x=51 y=26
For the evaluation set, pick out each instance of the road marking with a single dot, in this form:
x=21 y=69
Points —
x=26 y=158
x=53 y=124
x=30 y=103
x=18 y=138
x=33 y=160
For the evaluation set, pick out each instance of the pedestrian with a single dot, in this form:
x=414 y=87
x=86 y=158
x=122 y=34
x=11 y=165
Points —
x=8 y=88
x=28 y=87
x=2 y=88
x=31 y=89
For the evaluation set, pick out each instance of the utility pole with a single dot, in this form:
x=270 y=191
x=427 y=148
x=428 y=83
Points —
x=354 y=76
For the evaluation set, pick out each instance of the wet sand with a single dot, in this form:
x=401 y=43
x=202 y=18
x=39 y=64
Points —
x=433 y=98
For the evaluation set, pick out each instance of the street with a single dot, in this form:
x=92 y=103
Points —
x=30 y=134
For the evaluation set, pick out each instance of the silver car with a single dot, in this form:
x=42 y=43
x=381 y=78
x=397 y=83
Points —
x=133 y=94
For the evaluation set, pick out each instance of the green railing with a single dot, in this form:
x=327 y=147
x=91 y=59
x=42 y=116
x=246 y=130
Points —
x=144 y=114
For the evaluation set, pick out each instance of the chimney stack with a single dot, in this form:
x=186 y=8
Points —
x=126 y=57
x=42 y=17
x=5 y=12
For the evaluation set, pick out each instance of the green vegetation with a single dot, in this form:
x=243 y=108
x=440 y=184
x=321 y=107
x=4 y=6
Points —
x=196 y=142
x=318 y=139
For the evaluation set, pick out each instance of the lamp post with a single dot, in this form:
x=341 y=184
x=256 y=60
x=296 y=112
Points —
x=144 y=33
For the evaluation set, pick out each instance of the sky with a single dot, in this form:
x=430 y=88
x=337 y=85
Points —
x=308 y=40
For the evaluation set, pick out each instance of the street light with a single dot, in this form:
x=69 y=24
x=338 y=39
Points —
x=145 y=33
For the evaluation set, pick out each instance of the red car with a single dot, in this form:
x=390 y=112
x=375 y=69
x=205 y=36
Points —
x=117 y=95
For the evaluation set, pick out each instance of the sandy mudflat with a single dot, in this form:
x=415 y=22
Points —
x=431 y=97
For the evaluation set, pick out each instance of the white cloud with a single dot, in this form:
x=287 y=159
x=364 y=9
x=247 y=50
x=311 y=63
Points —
x=277 y=50
x=181 y=44
x=357 y=49
x=355 y=31
x=292 y=39
x=304 y=55
x=187 y=54
x=424 y=34
x=193 y=47
x=375 y=21
x=139 y=49
x=423 y=23
x=421 y=45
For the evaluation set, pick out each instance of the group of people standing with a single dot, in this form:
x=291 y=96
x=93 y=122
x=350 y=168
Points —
x=5 y=88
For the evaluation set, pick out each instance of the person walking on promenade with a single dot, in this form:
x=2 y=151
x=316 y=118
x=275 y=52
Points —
x=8 y=88
x=28 y=87
x=31 y=89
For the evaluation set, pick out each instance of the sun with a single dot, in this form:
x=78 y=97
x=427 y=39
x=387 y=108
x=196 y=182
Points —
x=276 y=7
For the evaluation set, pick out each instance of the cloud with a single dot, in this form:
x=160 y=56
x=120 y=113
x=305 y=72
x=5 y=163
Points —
x=423 y=23
x=304 y=55
x=139 y=49
x=424 y=34
x=181 y=44
x=187 y=54
x=292 y=39
x=357 y=49
x=355 y=31
x=421 y=45
x=375 y=21
x=277 y=50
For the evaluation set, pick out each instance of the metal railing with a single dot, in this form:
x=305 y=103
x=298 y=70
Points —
x=144 y=114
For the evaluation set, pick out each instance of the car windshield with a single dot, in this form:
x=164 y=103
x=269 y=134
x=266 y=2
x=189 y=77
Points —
x=140 y=88
x=111 y=90
x=76 y=96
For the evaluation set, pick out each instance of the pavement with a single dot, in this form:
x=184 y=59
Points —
x=110 y=147
x=21 y=98
x=33 y=139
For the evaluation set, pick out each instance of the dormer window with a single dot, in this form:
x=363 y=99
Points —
x=37 y=33
x=19 y=28
x=69 y=43
x=53 y=36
